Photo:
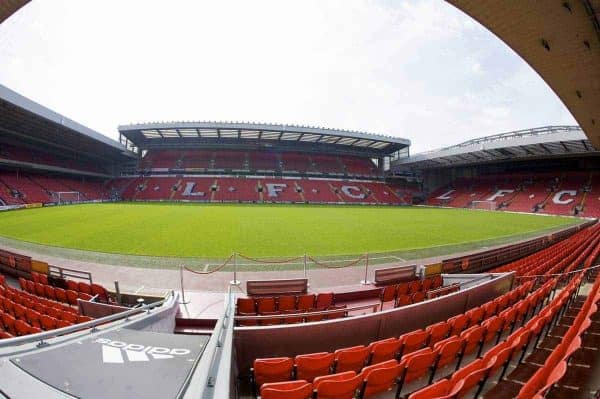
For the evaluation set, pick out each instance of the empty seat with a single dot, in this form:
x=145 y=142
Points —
x=473 y=339
x=388 y=294
x=72 y=297
x=100 y=292
x=40 y=289
x=351 y=359
x=63 y=323
x=414 y=286
x=438 y=332
x=287 y=302
x=72 y=285
x=313 y=365
x=61 y=295
x=33 y=318
x=416 y=365
x=493 y=329
x=385 y=349
x=9 y=323
x=413 y=341
x=403 y=300
x=449 y=351
x=337 y=386
x=245 y=305
x=84 y=287
x=324 y=300
x=306 y=302
x=379 y=377
x=276 y=369
x=417 y=297
x=84 y=297
x=49 y=292
x=402 y=289
x=443 y=389
x=266 y=304
x=47 y=322
x=287 y=390
x=83 y=319
x=475 y=316
x=459 y=323
x=43 y=279
x=21 y=327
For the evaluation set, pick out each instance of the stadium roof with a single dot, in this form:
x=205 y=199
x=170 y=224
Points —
x=26 y=120
x=245 y=134
x=542 y=142
x=9 y=7
x=561 y=42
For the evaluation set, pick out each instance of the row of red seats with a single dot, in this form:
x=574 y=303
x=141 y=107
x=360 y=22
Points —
x=478 y=372
x=404 y=291
x=553 y=258
x=465 y=326
x=53 y=293
x=92 y=289
x=23 y=313
x=555 y=366
x=547 y=363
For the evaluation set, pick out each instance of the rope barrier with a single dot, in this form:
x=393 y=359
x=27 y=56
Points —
x=211 y=271
x=352 y=263
x=280 y=261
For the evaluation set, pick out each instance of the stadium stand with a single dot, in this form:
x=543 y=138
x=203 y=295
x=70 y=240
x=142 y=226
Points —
x=560 y=193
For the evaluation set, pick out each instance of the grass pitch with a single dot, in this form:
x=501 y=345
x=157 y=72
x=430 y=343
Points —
x=214 y=231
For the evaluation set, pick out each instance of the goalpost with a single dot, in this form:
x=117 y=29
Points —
x=487 y=205
x=66 y=197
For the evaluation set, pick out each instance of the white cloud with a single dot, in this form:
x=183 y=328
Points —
x=416 y=69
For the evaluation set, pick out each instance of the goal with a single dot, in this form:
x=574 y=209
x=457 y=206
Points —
x=66 y=197
x=487 y=205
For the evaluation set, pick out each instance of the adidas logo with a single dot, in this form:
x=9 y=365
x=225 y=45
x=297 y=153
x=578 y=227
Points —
x=120 y=352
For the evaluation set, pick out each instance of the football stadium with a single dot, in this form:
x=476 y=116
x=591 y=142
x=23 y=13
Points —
x=215 y=259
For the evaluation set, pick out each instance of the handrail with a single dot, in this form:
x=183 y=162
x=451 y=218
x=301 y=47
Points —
x=305 y=314
x=4 y=343
x=199 y=379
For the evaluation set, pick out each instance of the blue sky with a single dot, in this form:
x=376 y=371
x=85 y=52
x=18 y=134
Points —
x=416 y=69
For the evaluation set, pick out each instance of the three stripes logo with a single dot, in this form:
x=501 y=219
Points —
x=122 y=352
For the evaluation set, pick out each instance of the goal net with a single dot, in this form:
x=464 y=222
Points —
x=66 y=197
x=487 y=205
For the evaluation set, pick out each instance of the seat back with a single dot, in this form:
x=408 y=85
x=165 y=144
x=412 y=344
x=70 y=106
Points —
x=337 y=386
x=287 y=390
x=277 y=369
x=379 y=377
x=351 y=359
x=313 y=365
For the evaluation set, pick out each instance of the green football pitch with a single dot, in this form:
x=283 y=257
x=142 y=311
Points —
x=214 y=230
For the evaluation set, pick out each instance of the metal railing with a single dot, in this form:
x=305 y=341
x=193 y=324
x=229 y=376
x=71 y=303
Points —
x=63 y=272
x=92 y=324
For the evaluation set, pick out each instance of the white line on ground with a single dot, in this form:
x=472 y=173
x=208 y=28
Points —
x=206 y=267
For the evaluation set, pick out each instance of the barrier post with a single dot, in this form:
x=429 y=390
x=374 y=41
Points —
x=307 y=283
x=366 y=280
x=183 y=301
x=235 y=281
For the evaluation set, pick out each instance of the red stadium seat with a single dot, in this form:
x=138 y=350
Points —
x=72 y=285
x=417 y=297
x=63 y=323
x=388 y=294
x=9 y=323
x=43 y=279
x=337 y=386
x=351 y=359
x=403 y=300
x=69 y=316
x=416 y=365
x=402 y=289
x=99 y=292
x=246 y=305
x=30 y=287
x=53 y=312
x=287 y=390
x=438 y=332
x=493 y=328
x=277 y=369
x=47 y=322
x=413 y=341
x=84 y=287
x=49 y=292
x=23 y=283
x=473 y=339
x=386 y=349
x=40 y=289
x=286 y=302
x=20 y=311
x=33 y=318
x=379 y=378
x=313 y=365
x=443 y=389
x=449 y=351
x=414 y=286
x=306 y=302
x=266 y=305
x=83 y=319
x=475 y=316
x=84 y=297
x=61 y=295
x=21 y=327
x=324 y=300
x=459 y=323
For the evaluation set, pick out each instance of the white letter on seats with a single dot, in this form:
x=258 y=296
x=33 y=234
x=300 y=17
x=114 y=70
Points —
x=500 y=193
x=347 y=190
x=557 y=197
x=189 y=188
x=273 y=189
x=445 y=195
